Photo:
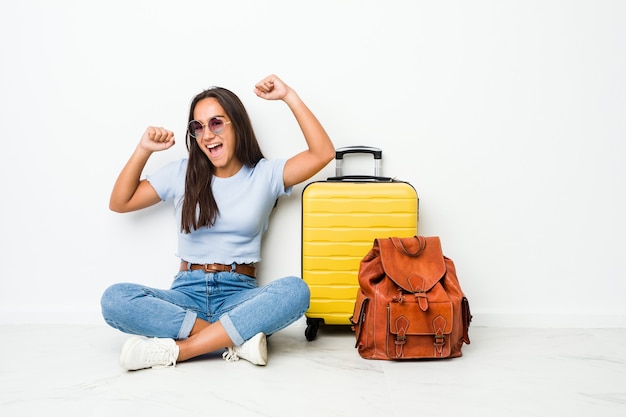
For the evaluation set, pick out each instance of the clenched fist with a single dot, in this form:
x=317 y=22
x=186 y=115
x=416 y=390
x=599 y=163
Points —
x=157 y=139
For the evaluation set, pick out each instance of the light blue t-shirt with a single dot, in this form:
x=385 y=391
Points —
x=245 y=202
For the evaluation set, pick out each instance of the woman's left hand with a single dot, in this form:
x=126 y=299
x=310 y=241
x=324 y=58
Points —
x=321 y=150
x=271 y=88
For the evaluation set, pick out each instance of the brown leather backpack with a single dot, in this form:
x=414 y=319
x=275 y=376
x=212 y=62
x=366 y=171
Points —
x=409 y=304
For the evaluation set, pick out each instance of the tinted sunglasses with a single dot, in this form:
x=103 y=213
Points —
x=216 y=126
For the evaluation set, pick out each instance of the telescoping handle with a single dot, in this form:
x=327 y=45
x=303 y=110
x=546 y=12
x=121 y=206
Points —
x=375 y=152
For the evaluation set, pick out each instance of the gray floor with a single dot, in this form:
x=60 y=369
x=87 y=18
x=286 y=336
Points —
x=71 y=370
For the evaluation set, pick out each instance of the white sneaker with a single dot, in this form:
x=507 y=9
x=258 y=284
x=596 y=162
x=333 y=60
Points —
x=140 y=353
x=253 y=350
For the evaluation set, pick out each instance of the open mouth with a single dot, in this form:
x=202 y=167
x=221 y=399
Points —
x=215 y=149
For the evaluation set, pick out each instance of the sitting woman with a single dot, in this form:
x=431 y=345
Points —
x=223 y=195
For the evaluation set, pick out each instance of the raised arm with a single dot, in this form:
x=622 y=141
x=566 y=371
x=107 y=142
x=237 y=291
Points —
x=321 y=150
x=129 y=192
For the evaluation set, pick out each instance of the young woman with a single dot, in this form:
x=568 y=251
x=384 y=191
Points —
x=223 y=195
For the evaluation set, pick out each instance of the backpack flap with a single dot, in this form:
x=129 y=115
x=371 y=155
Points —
x=415 y=264
x=405 y=319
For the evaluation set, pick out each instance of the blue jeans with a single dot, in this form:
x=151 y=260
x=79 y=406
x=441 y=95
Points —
x=243 y=308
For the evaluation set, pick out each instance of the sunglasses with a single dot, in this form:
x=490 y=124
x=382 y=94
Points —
x=216 y=126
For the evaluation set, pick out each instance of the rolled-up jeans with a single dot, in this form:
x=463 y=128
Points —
x=242 y=306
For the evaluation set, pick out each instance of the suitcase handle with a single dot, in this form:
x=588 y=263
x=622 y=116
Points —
x=340 y=152
x=375 y=152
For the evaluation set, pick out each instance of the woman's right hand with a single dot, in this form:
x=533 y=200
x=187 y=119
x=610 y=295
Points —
x=130 y=192
x=157 y=139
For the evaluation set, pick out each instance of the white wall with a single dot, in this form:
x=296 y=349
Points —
x=509 y=118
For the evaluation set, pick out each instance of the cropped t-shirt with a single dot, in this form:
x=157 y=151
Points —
x=245 y=202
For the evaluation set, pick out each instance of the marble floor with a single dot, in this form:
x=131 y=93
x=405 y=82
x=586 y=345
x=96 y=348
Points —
x=72 y=370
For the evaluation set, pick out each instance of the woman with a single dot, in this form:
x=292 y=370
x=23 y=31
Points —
x=223 y=194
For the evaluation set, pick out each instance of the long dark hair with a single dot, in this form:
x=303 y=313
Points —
x=199 y=206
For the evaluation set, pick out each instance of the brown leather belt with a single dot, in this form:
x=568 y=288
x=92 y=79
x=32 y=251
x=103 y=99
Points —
x=245 y=269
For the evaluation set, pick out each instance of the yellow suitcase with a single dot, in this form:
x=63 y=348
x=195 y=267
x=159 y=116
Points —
x=341 y=217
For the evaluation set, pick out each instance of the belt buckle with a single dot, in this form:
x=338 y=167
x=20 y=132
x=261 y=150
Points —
x=211 y=268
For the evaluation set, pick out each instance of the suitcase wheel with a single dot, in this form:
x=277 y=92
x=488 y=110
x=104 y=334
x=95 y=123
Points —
x=312 y=326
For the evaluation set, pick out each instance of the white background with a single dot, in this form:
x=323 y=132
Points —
x=508 y=117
